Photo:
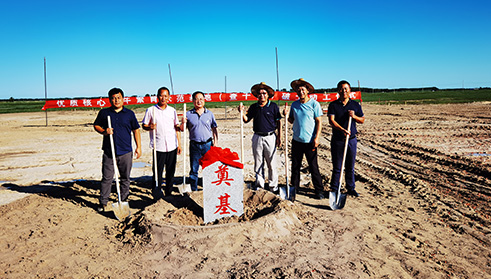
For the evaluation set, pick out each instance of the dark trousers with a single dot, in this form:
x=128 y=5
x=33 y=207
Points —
x=124 y=163
x=298 y=150
x=337 y=150
x=167 y=159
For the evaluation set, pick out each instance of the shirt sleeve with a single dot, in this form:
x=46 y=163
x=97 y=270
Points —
x=330 y=109
x=101 y=119
x=134 y=122
x=359 y=112
x=277 y=113
x=251 y=112
x=148 y=116
x=213 y=121
x=290 y=114
x=317 y=110
x=176 y=121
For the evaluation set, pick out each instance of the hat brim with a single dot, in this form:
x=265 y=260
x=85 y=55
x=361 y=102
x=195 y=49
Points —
x=299 y=82
x=256 y=88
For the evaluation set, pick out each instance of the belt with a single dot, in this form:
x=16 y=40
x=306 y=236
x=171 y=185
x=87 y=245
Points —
x=264 y=134
x=202 y=142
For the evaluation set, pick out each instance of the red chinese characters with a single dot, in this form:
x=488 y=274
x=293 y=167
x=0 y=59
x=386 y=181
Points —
x=224 y=205
x=222 y=174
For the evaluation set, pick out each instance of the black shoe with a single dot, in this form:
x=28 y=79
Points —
x=157 y=193
x=319 y=196
x=353 y=193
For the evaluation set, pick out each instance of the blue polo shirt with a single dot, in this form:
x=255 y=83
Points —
x=304 y=115
x=264 y=118
x=199 y=126
x=341 y=116
x=123 y=123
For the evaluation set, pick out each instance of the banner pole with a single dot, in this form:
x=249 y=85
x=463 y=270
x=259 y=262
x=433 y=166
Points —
x=45 y=91
x=225 y=95
x=171 y=85
x=277 y=75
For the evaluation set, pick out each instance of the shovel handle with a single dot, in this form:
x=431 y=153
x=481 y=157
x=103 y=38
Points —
x=154 y=137
x=113 y=153
x=286 y=150
x=241 y=136
x=183 y=140
x=344 y=159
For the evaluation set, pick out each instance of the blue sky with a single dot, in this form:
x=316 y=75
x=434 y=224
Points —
x=92 y=46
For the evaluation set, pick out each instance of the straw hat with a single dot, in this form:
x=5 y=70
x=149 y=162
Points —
x=301 y=82
x=256 y=88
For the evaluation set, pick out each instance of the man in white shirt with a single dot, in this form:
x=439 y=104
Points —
x=162 y=120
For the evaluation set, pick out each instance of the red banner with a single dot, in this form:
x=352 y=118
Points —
x=187 y=98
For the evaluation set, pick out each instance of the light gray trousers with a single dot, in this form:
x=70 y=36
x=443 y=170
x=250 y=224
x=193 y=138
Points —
x=264 y=151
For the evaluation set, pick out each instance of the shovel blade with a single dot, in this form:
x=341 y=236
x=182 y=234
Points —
x=287 y=195
x=283 y=193
x=336 y=202
x=186 y=188
x=121 y=210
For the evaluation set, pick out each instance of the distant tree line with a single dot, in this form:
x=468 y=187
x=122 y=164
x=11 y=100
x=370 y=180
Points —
x=320 y=90
x=388 y=90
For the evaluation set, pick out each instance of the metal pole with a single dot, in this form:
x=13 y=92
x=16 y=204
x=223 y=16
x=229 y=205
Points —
x=277 y=75
x=225 y=101
x=359 y=89
x=45 y=91
x=171 y=85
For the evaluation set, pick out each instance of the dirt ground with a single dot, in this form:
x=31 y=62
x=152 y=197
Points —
x=423 y=172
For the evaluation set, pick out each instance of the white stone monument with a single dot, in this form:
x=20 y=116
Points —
x=223 y=191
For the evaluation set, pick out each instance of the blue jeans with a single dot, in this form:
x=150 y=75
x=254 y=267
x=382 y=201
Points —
x=196 y=151
x=337 y=150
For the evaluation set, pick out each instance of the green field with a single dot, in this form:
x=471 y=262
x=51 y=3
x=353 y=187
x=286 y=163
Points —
x=404 y=97
x=429 y=97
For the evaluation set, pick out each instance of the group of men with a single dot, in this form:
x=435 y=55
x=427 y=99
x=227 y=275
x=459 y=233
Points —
x=305 y=115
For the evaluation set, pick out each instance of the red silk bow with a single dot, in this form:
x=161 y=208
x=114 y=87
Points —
x=223 y=155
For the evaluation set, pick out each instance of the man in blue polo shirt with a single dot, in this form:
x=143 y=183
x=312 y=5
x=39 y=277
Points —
x=305 y=115
x=266 y=115
x=339 y=113
x=123 y=123
x=203 y=134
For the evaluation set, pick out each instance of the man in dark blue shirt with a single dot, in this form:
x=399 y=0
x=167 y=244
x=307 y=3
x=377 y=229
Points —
x=123 y=123
x=266 y=120
x=339 y=113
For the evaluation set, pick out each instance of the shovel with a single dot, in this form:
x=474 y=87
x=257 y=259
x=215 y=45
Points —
x=184 y=188
x=120 y=209
x=286 y=192
x=336 y=199
x=241 y=136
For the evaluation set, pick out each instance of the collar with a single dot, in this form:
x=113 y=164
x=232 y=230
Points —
x=122 y=110
x=267 y=104
x=158 y=107
x=193 y=110
x=349 y=100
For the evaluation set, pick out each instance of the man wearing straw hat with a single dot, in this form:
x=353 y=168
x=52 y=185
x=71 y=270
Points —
x=266 y=120
x=162 y=119
x=124 y=123
x=203 y=134
x=305 y=115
